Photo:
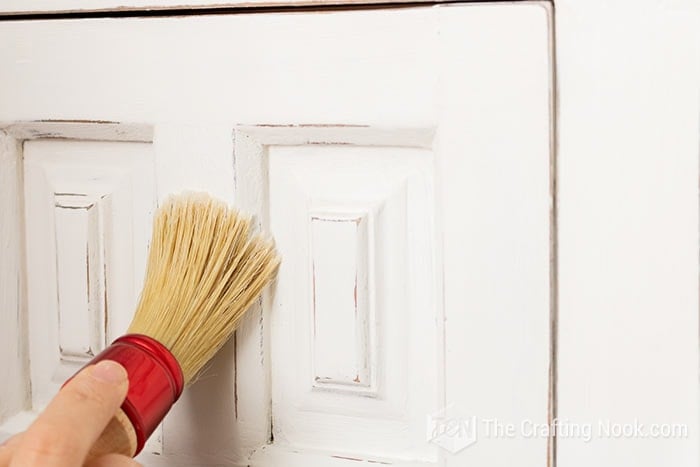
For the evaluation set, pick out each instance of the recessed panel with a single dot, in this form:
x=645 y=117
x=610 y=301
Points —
x=88 y=208
x=341 y=310
x=355 y=227
x=80 y=275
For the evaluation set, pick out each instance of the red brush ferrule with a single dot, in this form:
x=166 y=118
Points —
x=155 y=381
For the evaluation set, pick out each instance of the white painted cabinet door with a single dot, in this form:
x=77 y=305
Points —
x=401 y=159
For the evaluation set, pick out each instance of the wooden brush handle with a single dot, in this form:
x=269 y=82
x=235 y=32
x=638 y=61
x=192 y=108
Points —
x=119 y=437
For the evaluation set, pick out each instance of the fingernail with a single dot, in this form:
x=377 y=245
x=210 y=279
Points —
x=109 y=372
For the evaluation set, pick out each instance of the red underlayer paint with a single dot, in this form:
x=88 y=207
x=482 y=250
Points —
x=155 y=381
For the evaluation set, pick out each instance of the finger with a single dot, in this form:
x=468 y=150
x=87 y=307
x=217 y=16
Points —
x=113 y=460
x=7 y=449
x=75 y=418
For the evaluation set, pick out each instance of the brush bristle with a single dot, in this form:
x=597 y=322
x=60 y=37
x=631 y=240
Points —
x=204 y=270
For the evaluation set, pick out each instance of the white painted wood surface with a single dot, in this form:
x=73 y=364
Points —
x=412 y=123
x=629 y=74
x=343 y=323
x=13 y=319
x=393 y=184
x=88 y=207
x=79 y=252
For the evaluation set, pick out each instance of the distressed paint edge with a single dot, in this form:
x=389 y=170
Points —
x=553 y=412
x=173 y=8
x=86 y=130
x=338 y=134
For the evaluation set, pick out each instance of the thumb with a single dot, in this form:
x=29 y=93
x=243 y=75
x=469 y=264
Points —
x=75 y=418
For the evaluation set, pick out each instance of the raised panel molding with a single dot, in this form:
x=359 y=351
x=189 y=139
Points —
x=88 y=205
x=352 y=212
x=89 y=192
x=14 y=392
x=81 y=130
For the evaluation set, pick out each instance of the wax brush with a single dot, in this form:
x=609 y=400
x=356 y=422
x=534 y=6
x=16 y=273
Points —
x=205 y=268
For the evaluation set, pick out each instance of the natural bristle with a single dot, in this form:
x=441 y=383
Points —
x=204 y=270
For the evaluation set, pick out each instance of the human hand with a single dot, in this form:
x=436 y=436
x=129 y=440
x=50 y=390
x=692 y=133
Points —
x=66 y=430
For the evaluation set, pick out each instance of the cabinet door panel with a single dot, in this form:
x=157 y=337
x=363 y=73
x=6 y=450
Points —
x=87 y=207
x=401 y=160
